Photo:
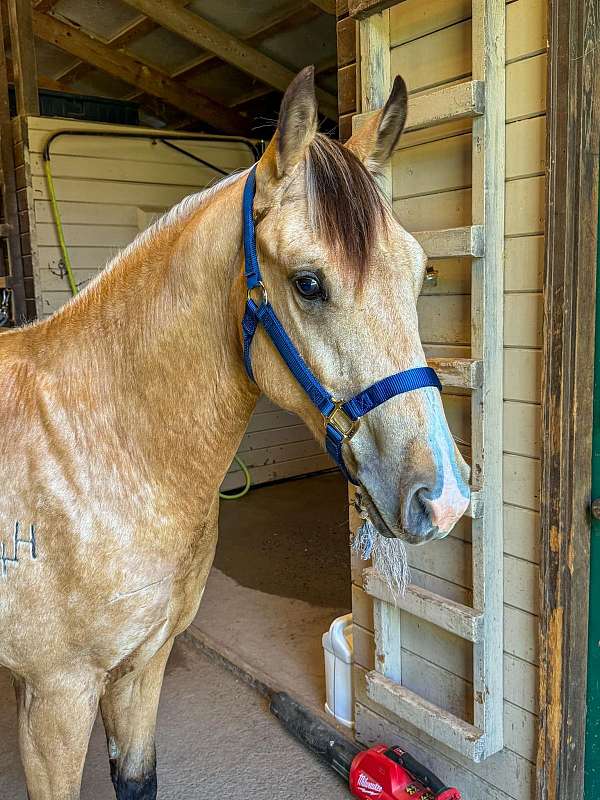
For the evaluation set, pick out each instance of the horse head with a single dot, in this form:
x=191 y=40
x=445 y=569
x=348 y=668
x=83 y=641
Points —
x=343 y=277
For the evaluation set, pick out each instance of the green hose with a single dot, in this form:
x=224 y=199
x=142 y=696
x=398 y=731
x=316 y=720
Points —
x=59 y=229
x=244 y=490
x=235 y=495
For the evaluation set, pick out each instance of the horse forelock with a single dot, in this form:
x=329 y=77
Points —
x=346 y=208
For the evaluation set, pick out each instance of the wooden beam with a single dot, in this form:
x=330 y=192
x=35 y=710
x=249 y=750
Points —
x=290 y=18
x=23 y=57
x=132 y=71
x=328 y=6
x=44 y=82
x=364 y=8
x=234 y=51
x=261 y=91
x=279 y=24
x=80 y=69
x=573 y=125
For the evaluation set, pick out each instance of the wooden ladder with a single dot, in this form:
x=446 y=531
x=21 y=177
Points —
x=11 y=271
x=483 y=99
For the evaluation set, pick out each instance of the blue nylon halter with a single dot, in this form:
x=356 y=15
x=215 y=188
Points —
x=341 y=418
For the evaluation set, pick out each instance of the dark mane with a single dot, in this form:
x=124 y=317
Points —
x=346 y=208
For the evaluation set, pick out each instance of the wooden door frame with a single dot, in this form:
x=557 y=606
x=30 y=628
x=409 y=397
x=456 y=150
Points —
x=573 y=141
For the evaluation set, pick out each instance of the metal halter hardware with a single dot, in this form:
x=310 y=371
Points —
x=341 y=418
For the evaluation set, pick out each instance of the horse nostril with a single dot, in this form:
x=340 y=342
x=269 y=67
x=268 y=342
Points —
x=417 y=518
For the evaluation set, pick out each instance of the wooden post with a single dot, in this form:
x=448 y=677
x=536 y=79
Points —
x=11 y=233
x=23 y=57
x=567 y=392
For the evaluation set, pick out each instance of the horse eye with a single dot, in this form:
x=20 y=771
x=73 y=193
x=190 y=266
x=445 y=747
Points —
x=309 y=286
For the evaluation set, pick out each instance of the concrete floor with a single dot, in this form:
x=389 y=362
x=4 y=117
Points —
x=281 y=575
x=216 y=739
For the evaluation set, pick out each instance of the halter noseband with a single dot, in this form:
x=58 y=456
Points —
x=341 y=418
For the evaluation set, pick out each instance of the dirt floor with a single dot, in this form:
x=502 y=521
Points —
x=216 y=739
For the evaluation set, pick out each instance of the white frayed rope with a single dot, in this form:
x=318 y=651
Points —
x=388 y=555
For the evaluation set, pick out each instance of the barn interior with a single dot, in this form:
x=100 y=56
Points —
x=132 y=109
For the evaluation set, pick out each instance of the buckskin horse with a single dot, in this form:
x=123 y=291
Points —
x=121 y=413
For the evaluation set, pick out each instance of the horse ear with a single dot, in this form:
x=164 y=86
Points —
x=374 y=143
x=297 y=124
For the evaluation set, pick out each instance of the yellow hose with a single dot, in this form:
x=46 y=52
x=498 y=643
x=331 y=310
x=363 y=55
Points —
x=59 y=228
x=244 y=490
x=73 y=286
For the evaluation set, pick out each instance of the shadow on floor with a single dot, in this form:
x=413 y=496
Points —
x=290 y=539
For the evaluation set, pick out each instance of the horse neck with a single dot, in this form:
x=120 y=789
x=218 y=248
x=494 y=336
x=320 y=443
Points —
x=157 y=339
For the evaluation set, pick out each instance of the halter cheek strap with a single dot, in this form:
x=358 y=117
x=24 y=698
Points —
x=341 y=418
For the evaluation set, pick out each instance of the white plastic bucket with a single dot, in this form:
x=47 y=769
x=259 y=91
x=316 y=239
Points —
x=338 y=652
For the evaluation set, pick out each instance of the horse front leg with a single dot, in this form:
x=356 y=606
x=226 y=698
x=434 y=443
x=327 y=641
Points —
x=129 y=706
x=55 y=719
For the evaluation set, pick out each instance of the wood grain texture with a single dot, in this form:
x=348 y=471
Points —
x=15 y=279
x=204 y=34
x=132 y=71
x=23 y=57
x=569 y=314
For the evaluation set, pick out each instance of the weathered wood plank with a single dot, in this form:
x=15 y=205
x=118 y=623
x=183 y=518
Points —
x=462 y=372
x=467 y=241
x=451 y=616
x=464 y=100
x=432 y=720
x=568 y=394
x=23 y=57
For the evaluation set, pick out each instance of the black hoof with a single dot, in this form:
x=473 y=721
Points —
x=143 y=788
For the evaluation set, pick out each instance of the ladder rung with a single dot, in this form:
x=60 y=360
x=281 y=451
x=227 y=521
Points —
x=447 y=614
x=466 y=373
x=4 y=230
x=427 y=717
x=439 y=105
x=453 y=242
x=442 y=105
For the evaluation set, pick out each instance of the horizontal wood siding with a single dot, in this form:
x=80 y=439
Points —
x=431 y=47
x=109 y=189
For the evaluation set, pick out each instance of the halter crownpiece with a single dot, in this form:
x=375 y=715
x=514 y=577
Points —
x=341 y=418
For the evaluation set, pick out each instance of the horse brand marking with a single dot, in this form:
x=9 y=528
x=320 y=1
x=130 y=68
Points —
x=6 y=558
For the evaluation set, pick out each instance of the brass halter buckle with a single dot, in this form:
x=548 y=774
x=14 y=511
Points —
x=339 y=419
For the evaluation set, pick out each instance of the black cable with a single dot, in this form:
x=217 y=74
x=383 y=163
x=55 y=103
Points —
x=165 y=139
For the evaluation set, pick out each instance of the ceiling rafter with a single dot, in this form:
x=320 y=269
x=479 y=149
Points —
x=204 y=34
x=292 y=18
x=134 y=72
x=260 y=91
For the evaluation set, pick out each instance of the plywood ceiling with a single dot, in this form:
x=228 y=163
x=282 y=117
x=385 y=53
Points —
x=196 y=64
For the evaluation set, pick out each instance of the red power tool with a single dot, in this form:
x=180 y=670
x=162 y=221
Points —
x=388 y=773
x=379 y=773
